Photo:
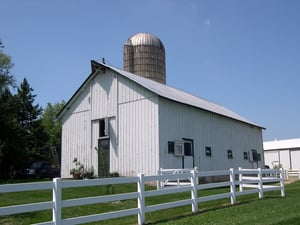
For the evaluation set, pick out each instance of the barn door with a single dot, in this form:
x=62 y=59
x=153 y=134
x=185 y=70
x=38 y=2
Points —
x=103 y=157
x=188 y=158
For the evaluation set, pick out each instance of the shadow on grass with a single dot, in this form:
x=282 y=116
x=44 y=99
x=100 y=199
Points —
x=201 y=211
x=207 y=209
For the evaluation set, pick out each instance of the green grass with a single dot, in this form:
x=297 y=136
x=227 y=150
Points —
x=272 y=209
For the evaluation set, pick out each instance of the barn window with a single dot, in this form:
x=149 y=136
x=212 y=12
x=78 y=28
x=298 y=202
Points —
x=246 y=155
x=188 y=149
x=102 y=128
x=254 y=155
x=208 y=151
x=258 y=157
x=229 y=154
x=171 y=147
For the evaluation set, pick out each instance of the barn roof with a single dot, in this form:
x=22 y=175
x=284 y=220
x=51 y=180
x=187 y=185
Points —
x=168 y=93
x=282 y=144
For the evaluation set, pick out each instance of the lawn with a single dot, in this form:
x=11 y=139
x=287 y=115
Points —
x=273 y=209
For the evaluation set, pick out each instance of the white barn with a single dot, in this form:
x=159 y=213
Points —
x=121 y=122
x=283 y=152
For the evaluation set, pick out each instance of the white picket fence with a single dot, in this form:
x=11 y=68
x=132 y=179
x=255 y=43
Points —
x=249 y=181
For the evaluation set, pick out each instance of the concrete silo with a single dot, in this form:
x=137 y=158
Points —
x=144 y=55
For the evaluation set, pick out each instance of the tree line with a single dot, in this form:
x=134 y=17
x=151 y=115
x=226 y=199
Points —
x=27 y=131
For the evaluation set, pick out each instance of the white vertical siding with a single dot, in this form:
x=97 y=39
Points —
x=75 y=130
x=104 y=95
x=288 y=158
x=138 y=130
x=94 y=144
x=179 y=121
x=295 y=156
x=271 y=158
x=284 y=156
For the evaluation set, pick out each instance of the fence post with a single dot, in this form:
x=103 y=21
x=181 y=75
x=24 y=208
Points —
x=282 y=182
x=194 y=193
x=260 y=184
x=178 y=180
x=56 y=211
x=158 y=182
x=232 y=186
x=141 y=199
x=240 y=179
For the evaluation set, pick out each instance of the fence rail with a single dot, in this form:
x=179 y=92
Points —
x=292 y=174
x=255 y=180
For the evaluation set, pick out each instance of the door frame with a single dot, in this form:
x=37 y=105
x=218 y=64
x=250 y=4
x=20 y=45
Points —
x=189 y=140
x=107 y=169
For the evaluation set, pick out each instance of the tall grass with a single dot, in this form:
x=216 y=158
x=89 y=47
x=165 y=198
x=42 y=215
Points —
x=273 y=209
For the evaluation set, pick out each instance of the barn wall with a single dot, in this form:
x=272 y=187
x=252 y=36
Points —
x=271 y=158
x=288 y=158
x=75 y=128
x=295 y=156
x=138 y=130
x=179 y=121
x=104 y=95
x=284 y=156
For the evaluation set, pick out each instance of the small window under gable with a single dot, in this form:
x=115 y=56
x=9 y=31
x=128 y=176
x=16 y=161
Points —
x=103 y=127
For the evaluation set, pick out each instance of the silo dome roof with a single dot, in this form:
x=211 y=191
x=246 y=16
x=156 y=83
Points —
x=145 y=39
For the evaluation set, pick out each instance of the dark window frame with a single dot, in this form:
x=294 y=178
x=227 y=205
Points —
x=229 y=154
x=207 y=151
x=188 y=151
x=246 y=157
x=102 y=128
x=258 y=157
x=171 y=147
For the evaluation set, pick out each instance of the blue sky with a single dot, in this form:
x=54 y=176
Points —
x=242 y=54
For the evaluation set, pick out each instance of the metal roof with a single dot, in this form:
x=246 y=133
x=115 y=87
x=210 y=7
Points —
x=282 y=144
x=144 y=39
x=161 y=90
x=181 y=96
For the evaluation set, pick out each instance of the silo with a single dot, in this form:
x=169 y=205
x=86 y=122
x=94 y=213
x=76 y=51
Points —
x=144 y=55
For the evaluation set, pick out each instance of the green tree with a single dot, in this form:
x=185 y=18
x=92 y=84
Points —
x=29 y=118
x=53 y=126
x=11 y=138
x=6 y=78
x=9 y=131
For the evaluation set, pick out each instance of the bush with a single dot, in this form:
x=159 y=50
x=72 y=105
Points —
x=80 y=172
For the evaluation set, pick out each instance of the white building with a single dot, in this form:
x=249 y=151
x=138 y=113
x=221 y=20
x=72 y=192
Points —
x=120 y=122
x=284 y=152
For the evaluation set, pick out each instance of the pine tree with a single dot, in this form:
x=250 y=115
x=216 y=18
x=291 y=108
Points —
x=29 y=118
